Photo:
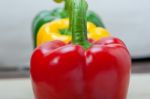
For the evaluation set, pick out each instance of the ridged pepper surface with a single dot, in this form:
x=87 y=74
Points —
x=80 y=69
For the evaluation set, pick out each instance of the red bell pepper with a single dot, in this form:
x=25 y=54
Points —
x=81 y=70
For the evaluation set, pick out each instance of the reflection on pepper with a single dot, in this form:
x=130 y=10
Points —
x=80 y=69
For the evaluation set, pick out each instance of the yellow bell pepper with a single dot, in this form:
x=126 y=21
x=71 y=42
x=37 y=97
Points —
x=51 y=31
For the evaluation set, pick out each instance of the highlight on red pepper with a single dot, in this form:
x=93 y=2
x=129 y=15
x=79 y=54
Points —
x=80 y=70
x=47 y=16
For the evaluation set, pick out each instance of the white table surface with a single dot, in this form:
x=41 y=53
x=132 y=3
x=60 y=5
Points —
x=21 y=88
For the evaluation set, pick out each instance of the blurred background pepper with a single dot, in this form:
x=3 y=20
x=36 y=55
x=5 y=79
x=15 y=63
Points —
x=126 y=19
x=58 y=30
x=47 y=16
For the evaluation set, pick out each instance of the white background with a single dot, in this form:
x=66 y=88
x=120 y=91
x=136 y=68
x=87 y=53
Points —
x=127 y=19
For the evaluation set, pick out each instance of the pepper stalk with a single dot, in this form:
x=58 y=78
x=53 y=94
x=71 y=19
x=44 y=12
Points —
x=77 y=16
x=65 y=1
x=58 y=1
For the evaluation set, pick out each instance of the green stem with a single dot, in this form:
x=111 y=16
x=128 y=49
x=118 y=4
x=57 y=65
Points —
x=65 y=1
x=58 y=1
x=66 y=4
x=77 y=14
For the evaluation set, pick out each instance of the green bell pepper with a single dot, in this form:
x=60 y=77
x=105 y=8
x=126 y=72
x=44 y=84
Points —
x=47 y=16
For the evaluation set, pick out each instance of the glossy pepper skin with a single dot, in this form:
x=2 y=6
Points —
x=61 y=71
x=47 y=16
x=81 y=69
